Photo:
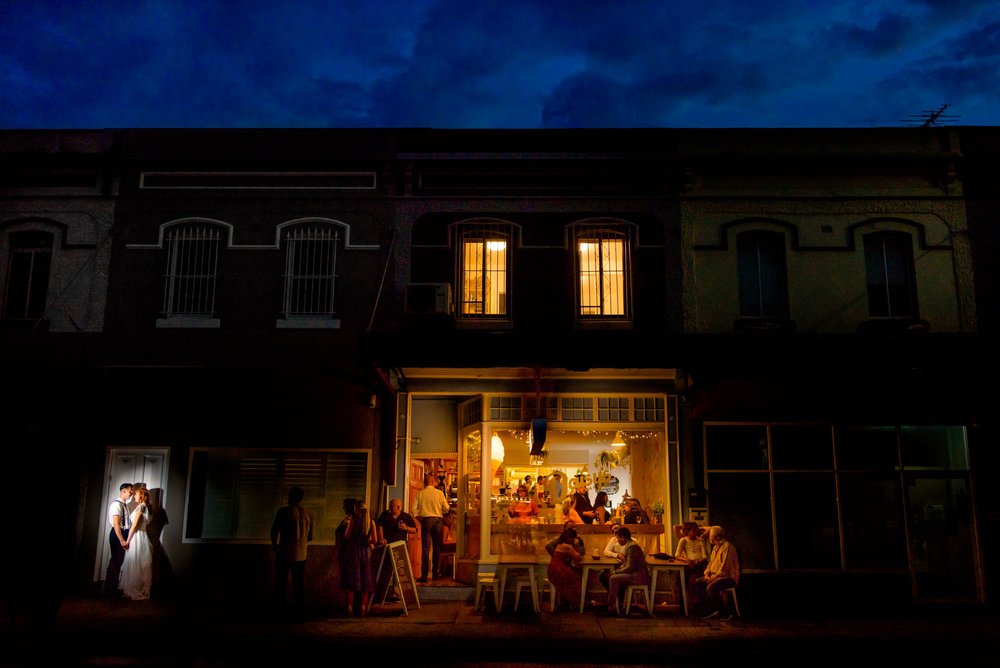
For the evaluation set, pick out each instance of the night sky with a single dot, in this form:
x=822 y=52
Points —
x=511 y=64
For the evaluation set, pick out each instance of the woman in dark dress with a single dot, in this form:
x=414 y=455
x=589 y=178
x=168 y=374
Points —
x=357 y=577
x=564 y=569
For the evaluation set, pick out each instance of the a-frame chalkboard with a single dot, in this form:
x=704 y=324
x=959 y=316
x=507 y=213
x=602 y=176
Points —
x=394 y=571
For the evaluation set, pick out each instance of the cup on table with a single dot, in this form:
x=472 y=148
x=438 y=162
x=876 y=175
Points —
x=597 y=553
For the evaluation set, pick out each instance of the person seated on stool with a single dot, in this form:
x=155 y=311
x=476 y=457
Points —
x=632 y=570
x=693 y=551
x=722 y=572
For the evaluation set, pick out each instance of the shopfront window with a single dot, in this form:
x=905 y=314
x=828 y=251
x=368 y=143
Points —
x=833 y=497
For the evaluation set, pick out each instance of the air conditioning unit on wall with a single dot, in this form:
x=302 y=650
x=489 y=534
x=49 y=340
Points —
x=428 y=298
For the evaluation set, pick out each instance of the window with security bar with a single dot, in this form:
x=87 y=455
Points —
x=310 y=271
x=192 y=270
x=484 y=270
x=603 y=272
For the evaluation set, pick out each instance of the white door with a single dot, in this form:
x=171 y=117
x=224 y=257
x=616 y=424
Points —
x=147 y=465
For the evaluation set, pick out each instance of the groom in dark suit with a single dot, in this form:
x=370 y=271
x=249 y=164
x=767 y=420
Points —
x=118 y=519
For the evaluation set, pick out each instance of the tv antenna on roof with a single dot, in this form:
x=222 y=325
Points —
x=930 y=117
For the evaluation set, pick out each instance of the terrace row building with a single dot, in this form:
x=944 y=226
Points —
x=790 y=333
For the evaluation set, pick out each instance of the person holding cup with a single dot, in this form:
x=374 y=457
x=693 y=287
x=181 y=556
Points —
x=395 y=525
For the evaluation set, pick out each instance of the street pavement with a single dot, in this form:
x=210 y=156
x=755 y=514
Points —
x=209 y=632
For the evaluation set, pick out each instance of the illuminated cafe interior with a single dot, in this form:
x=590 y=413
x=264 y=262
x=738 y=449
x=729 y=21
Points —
x=625 y=464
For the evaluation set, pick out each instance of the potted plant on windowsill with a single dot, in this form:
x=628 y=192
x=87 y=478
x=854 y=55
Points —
x=657 y=508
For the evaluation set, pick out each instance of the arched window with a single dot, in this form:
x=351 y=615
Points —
x=760 y=257
x=484 y=254
x=892 y=291
x=603 y=275
x=192 y=268
x=310 y=270
x=27 y=275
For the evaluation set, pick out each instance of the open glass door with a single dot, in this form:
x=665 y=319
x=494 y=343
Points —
x=470 y=487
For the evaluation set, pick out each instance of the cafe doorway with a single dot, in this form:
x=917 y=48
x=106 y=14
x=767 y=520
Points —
x=444 y=467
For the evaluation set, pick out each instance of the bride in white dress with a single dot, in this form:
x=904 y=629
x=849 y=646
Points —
x=137 y=569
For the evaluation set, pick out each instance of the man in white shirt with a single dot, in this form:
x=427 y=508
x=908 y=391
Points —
x=432 y=506
x=118 y=518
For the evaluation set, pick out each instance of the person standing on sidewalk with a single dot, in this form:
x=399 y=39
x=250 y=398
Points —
x=291 y=531
x=432 y=506
x=118 y=518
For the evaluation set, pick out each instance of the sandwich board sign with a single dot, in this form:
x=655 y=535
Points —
x=395 y=573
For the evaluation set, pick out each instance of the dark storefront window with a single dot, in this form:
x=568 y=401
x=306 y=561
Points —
x=233 y=493
x=829 y=497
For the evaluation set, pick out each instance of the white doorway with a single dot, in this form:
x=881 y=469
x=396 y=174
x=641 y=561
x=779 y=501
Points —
x=147 y=465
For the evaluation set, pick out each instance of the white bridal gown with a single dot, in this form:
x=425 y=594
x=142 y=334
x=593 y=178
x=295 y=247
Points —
x=137 y=569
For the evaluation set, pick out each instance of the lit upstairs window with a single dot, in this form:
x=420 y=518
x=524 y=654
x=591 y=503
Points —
x=603 y=273
x=484 y=270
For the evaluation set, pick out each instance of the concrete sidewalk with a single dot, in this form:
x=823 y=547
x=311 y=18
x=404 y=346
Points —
x=98 y=631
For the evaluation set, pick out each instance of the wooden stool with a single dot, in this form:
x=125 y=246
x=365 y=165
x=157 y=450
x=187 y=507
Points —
x=447 y=557
x=632 y=589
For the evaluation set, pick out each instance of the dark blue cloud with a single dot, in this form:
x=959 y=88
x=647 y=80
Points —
x=519 y=63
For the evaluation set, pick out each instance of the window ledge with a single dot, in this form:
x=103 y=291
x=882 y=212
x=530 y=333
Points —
x=187 y=322
x=307 y=323
x=604 y=324
x=15 y=325
x=894 y=326
x=484 y=323
x=763 y=326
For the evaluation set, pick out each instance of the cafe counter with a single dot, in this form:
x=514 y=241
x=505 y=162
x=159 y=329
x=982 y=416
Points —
x=512 y=538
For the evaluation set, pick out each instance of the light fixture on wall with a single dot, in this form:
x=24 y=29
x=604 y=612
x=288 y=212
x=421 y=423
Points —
x=618 y=441
x=496 y=453
x=497 y=449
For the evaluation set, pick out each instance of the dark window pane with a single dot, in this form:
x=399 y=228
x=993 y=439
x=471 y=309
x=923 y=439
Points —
x=872 y=509
x=805 y=507
x=801 y=447
x=871 y=448
x=760 y=258
x=736 y=447
x=934 y=448
x=741 y=504
x=28 y=275
x=941 y=537
x=889 y=266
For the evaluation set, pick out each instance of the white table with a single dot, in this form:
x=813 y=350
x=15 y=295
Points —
x=657 y=565
x=530 y=563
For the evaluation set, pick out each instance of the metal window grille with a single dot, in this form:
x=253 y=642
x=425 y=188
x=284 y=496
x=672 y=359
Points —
x=310 y=271
x=603 y=273
x=192 y=269
x=484 y=269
